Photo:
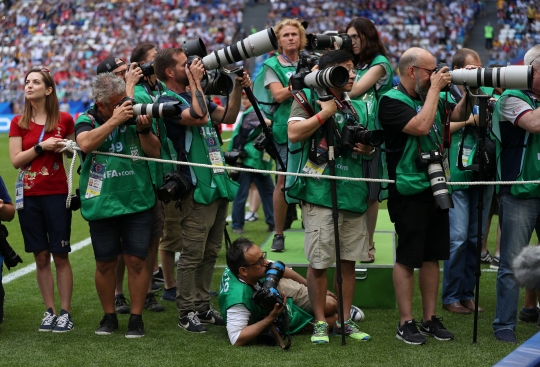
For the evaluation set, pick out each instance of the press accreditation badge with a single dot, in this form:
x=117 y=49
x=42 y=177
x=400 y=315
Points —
x=266 y=157
x=95 y=181
x=312 y=169
x=446 y=167
x=19 y=191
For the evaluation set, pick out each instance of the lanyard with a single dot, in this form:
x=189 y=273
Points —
x=42 y=134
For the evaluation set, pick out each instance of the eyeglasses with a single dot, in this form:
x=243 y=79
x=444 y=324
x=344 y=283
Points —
x=430 y=71
x=120 y=73
x=45 y=70
x=259 y=262
x=351 y=71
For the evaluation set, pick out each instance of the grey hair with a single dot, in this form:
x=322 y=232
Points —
x=106 y=86
x=532 y=55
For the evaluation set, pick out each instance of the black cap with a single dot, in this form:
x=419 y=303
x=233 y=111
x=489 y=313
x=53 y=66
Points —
x=109 y=64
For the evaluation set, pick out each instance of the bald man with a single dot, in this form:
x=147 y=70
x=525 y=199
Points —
x=412 y=117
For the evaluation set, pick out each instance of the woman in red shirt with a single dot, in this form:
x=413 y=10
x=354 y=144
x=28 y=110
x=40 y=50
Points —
x=34 y=148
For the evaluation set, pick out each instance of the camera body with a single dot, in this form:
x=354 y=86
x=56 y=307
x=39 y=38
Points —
x=267 y=295
x=11 y=258
x=432 y=161
x=352 y=134
x=175 y=187
x=326 y=41
x=235 y=159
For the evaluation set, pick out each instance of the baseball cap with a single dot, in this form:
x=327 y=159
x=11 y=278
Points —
x=109 y=64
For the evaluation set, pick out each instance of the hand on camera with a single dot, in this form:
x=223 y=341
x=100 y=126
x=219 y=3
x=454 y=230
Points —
x=278 y=309
x=244 y=81
x=441 y=78
x=365 y=150
x=134 y=74
x=195 y=71
x=143 y=122
x=328 y=107
x=122 y=113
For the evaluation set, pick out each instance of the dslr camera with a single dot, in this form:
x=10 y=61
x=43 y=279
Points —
x=332 y=77
x=267 y=295
x=176 y=187
x=432 y=160
x=11 y=258
x=234 y=158
x=352 y=134
x=154 y=110
x=326 y=40
x=147 y=69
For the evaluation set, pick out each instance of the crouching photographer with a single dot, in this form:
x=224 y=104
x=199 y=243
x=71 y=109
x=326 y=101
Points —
x=254 y=293
x=7 y=255
x=243 y=140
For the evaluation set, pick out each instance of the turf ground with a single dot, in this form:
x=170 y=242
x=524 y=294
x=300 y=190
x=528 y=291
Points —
x=167 y=345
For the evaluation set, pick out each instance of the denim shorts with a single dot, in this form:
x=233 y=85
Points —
x=46 y=224
x=128 y=234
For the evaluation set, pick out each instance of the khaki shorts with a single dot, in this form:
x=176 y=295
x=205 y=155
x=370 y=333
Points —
x=298 y=292
x=319 y=241
x=172 y=229
x=157 y=220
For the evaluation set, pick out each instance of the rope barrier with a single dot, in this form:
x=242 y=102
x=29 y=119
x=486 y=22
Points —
x=72 y=146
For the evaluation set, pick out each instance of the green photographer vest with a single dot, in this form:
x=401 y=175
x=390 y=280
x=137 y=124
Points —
x=234 y=292
x=202 y=146
x=255 y=158
x=409 y=179
x=280 y=115
x=529 y=165
x=112 y=186
x=351 y=195
x=158 y=170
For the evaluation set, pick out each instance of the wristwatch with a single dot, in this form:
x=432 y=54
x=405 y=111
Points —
x=38 y=149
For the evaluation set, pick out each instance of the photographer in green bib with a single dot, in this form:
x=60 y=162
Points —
x=271 y=89
x=412 y=116
x=305 y=131
x=206 y=192
x=117 y=195
x=148 y=90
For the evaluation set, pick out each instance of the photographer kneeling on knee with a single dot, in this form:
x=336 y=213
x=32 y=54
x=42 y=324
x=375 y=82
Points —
x=246 y=318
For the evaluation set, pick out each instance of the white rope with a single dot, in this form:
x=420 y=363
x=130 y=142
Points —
x=69 y=147
x=252 y=170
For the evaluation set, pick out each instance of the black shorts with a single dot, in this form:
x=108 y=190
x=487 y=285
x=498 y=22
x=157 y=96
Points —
x=423 y=230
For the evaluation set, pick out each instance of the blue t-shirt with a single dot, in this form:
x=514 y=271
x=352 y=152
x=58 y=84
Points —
x=4 y=195
x=177 y=132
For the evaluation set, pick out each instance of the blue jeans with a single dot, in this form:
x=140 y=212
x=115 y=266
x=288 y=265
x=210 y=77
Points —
x=265 y=186
x=517 y=218
x=458 y=277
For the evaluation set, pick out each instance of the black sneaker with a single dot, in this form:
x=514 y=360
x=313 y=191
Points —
x=135 y=327
x=435 y=328
x=278 y=245
x=121 y=304
x=151 y=303
x=529 y=316
x=210 y=316
x=108 y=324
x=494 y=263
x=191 y=323
x=408 y=332
x=486 y=257
x=157 y=277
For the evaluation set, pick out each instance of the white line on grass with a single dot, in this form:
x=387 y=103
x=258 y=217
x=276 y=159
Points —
x=79 y=245
x=30 y=268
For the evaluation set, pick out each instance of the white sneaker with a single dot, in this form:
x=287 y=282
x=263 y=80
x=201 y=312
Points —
x=357 y=314
x=251 y=217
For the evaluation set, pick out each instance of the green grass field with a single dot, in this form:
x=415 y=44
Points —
x=167 y=345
